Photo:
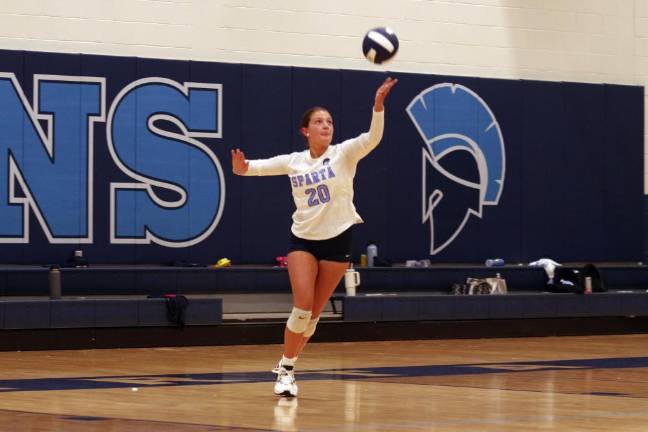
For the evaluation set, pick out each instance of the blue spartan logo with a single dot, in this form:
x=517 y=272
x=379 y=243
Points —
x=452 y=120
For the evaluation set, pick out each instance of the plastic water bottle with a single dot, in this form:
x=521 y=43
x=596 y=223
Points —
x=372 y=252
x=496 y=262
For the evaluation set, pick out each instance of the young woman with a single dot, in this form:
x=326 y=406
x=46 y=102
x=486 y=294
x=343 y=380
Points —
x=320 y=238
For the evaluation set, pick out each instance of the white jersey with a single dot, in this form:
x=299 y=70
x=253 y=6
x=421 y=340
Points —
x=322 y=188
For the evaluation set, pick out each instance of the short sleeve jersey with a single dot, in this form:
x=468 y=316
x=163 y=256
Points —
x=322 y=187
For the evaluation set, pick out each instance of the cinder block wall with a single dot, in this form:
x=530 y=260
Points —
x=562 y=40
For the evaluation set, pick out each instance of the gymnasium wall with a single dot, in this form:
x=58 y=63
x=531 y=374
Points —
x=128 y=159
x=553 y=74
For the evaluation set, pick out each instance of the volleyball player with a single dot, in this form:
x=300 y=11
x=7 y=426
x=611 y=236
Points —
x=321 y=234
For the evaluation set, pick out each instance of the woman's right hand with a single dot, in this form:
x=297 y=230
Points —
x=239 y=164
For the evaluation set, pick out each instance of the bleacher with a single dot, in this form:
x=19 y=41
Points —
x=126 y=305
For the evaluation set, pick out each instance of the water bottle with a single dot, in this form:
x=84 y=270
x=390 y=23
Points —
x=501 y=284
x=372 y=252
x=496 y=262
x=588 y=285
x=363 y=260
x=55 y=282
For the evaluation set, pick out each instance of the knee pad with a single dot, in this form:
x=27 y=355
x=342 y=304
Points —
x=298 y=320
x=310 y=328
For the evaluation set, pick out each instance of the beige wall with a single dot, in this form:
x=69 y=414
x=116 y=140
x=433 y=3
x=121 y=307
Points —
x=563 y=40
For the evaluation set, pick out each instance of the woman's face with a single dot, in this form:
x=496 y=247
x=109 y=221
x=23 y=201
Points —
x=320 y=128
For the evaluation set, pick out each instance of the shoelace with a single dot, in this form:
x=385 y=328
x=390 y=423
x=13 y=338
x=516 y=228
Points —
x=284 y=373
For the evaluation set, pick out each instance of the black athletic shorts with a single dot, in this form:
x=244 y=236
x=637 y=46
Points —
x=337 y=248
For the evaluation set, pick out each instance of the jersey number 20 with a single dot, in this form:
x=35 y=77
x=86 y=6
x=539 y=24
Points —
x=321 y=192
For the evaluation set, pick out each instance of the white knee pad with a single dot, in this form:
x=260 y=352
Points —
x=298 y=320
x=310 y=328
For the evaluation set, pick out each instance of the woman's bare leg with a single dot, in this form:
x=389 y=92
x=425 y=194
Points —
x=329 y=275
x=303 y=272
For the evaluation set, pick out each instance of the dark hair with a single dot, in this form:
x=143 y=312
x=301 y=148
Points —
x=307 y=115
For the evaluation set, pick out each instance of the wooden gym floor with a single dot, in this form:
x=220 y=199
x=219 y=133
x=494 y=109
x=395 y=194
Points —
x=592 y=383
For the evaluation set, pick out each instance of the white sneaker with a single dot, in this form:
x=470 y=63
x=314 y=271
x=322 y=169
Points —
x=285 y=385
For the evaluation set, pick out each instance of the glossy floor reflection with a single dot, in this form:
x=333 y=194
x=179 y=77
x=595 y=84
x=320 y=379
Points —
x=532 y=384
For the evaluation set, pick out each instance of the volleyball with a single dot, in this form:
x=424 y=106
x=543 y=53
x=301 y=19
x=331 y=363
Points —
x=380 y=44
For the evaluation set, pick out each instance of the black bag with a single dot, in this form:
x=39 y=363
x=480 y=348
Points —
x=567 y=280
x=591 y=271
x=176 y=309
x=381 y=262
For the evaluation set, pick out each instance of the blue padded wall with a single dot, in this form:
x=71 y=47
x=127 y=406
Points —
x=572 y=188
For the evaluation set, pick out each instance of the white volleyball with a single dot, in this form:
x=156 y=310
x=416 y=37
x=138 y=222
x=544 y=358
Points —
x=380 y=44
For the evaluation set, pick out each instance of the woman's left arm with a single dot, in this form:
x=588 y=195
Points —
x=377 y=120
x=382 y=93
x=361 y=146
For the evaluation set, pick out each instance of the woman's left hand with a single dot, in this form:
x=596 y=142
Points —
x=382 y=93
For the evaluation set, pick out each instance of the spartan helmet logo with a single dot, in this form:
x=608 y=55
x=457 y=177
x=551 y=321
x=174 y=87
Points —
x=458 y=128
